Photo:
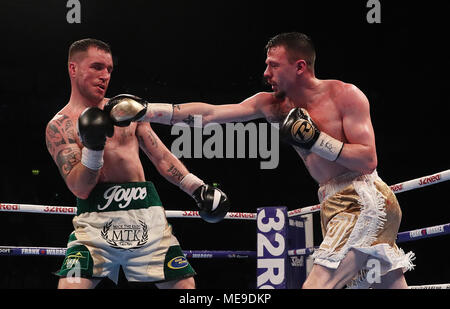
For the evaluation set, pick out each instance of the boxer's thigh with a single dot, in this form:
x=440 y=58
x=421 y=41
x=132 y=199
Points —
x=322 y=277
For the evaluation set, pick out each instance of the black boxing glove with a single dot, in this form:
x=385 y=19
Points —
x=125 y=108
x=298 y=129
x=213 y=204
x=93 y=126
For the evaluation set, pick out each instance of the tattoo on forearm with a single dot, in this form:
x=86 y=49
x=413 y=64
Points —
x=152 y=139
x=143 y=147
x=149 y=137
x=66 y=159
x=189 y=120
x=175 y=172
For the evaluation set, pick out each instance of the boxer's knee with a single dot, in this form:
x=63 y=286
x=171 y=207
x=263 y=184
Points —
x=326 y=278
x=77 y=283
x=320 y=278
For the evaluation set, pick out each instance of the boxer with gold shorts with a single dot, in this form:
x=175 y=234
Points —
x=363 y=214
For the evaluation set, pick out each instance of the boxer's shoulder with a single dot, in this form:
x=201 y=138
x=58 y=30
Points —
x=63 y=122
x=65 y=114
x=267 y=98
x=60 y=131
x=345 y=94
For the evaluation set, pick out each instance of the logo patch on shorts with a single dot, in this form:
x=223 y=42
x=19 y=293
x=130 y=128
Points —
x=178 y=262
x=125 y=236
x=80 y=259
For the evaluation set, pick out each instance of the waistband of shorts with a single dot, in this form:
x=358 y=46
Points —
x=339 y=183
x=119 y=196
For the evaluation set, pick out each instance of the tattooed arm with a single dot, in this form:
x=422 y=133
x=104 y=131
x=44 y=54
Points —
x=165 y=162
x=249 y=109
x=212 y=203
x=61 y=140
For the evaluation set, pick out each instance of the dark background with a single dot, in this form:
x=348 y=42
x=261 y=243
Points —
x=176 y=52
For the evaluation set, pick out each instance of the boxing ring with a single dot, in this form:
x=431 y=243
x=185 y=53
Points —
x=284 y=238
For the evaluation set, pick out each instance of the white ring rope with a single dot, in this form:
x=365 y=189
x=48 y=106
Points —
x=70 y=210
x=397 y=188
x=430 y=286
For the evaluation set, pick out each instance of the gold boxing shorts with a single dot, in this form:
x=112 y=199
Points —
x=360 y=212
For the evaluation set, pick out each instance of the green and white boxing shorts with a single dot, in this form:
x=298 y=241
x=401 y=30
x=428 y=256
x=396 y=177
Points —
x=124 y=225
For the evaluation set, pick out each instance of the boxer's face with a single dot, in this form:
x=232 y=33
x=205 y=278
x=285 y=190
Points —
x=92 y=73
x=279 y=73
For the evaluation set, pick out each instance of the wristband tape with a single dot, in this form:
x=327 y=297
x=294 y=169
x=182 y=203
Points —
x=92 y=159
x=190 y=183
x=327 y=147
x=159 y=113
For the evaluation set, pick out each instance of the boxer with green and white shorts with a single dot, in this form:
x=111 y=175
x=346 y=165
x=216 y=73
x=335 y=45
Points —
x=124 y=225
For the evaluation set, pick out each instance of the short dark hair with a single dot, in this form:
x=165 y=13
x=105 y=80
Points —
x=84 y=44
x=298 y=46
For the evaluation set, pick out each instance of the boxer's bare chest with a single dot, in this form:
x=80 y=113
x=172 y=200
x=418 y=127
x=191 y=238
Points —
x=121 y=152
x=322 y=109
x=122 y=162
x=123 y=137
x=123 y=145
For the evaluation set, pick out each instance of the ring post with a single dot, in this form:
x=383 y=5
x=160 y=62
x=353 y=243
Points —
x=296 y=266
x=271 y=251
